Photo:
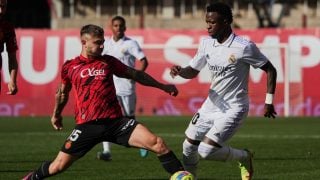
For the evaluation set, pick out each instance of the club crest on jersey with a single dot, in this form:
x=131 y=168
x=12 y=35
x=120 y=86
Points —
x=123 y=51
x=68 y=144
x=232 y=59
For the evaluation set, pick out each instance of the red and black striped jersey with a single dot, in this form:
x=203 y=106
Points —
x=92 y=83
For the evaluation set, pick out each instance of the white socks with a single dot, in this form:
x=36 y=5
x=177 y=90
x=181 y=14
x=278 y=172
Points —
x=106 y=147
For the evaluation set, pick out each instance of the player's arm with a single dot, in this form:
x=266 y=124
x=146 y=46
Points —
x=146 y=80
x=143 y=64
x=271 y=71
x=13 y=70
x=186 y=72
x=61 y=99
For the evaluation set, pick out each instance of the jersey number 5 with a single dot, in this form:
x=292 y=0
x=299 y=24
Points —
x=74 y=135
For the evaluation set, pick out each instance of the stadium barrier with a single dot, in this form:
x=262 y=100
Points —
x=294 y=52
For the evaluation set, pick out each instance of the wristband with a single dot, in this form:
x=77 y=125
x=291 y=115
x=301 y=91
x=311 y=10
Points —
x=269 y=98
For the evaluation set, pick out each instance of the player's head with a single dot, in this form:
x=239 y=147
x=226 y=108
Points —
x=218 y=18
x=3 y=7
x=118 y=26
x=92 y=39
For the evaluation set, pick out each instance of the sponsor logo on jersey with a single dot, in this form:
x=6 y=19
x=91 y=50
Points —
x=232 y=59
x=92 y=72
x=219 y=70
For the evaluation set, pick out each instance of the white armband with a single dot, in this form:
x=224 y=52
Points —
x=269 y=98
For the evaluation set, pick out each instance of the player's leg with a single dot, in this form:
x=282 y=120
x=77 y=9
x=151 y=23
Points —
x=190 y=156
x=80 y=141
x=198 y=127
x=106 y=153
x=224 y=127
x=128 y=104
x=142 y=137
x=47 y=169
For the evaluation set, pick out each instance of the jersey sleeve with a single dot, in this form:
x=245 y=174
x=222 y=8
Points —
x=199 y=60
x=253 y=56
x=136 y=50
x=64 y=72
x=117 y=66
x=10 y=39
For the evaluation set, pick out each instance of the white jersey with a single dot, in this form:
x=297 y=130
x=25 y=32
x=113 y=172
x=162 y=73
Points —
x=127 y=51
x=229 y=64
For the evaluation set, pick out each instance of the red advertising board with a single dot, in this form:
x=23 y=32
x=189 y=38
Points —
x=294 y=52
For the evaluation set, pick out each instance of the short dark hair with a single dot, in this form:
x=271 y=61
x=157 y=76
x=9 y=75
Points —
x=91 y=29
x=119 y=18
x=222 y=9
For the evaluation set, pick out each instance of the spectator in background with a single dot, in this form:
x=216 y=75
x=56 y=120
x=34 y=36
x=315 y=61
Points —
x=263 y=10
x=127 y=51
x=8 y=37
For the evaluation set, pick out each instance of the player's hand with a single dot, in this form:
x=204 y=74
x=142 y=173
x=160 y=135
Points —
x=171 y=89
x=12 y=88
x=174 y=71
x=56 y=122
x=269 y=111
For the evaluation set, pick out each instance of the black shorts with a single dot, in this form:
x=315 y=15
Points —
x=85 y=136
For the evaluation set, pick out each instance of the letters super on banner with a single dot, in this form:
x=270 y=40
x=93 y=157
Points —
x=294 y=52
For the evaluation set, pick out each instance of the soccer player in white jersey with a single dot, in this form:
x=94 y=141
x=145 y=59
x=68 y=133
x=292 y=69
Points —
x=229 y=58
x=127 y=51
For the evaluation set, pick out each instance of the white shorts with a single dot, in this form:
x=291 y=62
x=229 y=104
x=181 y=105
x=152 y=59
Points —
x=128 y=104
x=218 y=126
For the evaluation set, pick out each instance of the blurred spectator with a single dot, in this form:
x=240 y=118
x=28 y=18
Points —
x=8 y=38
x=263 y=9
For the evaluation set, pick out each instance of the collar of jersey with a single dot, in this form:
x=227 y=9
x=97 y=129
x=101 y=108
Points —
x=120 y=40
x=85 y=59
x=227 y=42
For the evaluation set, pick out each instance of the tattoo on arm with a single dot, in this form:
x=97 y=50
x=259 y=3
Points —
x=61 y=99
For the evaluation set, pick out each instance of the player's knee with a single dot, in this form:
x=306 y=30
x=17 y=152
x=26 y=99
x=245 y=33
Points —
x=159 y=146
x=190 y=154
x=207 y=151
x=58 y=167
x=189 y=148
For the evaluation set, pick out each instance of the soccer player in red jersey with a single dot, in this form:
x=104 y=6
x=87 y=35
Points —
x=8 y=37
x=98 y=114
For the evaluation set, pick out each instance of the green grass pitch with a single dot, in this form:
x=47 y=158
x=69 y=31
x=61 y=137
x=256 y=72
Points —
x=285 y=148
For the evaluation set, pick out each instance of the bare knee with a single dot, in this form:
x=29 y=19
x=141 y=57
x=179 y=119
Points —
x=60 y=164
x=57 y=166
x=159 y=146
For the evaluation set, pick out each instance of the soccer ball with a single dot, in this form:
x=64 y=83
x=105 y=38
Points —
x=182 y=175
